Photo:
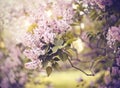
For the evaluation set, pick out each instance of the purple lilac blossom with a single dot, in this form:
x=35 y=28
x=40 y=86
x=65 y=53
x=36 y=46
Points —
x=113 y=35
x=52 y=19
x=13 y=19
x=118 y=61
x=11 y=69
x=115 y=70
x=100 y=3
x=103 y=3
x=1 y=55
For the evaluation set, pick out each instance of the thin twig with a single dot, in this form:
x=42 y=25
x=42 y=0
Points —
x=80 y=69
x=77 y=67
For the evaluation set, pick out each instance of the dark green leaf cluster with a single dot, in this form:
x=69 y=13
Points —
x=58 y=51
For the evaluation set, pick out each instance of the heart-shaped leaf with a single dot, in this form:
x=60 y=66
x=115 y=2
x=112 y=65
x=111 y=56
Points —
x=49 y=70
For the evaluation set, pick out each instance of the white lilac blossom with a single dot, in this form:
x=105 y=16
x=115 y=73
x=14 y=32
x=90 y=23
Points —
x=49 y=20
x=113 y=35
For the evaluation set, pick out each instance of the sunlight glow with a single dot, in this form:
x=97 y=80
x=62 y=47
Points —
x=82 y=25
x=81 y=13
x=49 y=13
x=78 y=45
x=74 y=6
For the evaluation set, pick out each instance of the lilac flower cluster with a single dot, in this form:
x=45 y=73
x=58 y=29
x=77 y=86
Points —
x=11 y=73
x=112 y=80
x=103 y=3
x=13 y=19
x=100 y=3
x=118 y=61
x=113 y=35
x=49 y=20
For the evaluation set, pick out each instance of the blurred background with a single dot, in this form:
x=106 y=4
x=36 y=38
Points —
x=14 y=21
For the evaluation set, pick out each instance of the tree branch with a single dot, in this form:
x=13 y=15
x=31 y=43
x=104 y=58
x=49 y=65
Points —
x=92 y=74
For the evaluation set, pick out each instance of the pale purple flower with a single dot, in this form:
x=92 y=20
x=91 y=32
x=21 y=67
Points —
x=49 y=14
x=100 y=3
x=52 y=19
x=33 y=65
x=1 y=55
x=48 y=36
x=33 y=53
x=103 y=3
x=115 y=70
x=113 y=35
x=11 y=68
x=12 y=77
x=23 y=78
x=14 y=17
x=118 y=61
x=4 y=83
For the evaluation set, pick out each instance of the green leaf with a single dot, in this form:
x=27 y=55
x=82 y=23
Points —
x=55 y=49
x=56 y=66
x=58 y=42
x=49 y=70
x=69 y=35
x=100 y=58
x=71 y=51
x=44 y=63
x=56 y=58
x=69 y=42
x=63 y=56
